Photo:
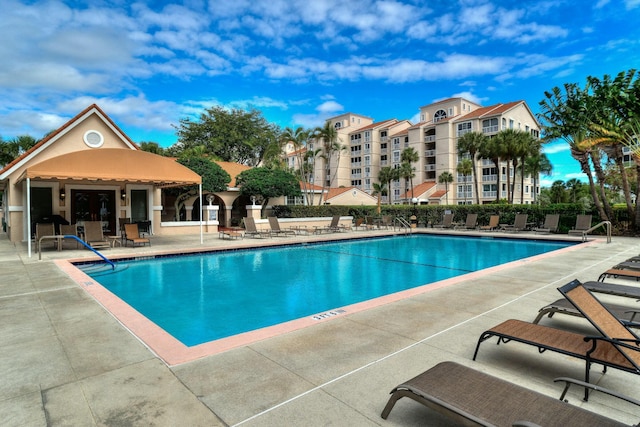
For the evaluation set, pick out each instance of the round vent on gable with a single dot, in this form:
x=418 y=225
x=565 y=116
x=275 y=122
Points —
x=93 y=138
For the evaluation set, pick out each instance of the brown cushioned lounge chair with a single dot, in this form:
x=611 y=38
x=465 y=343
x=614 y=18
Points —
x=470 y=397
x=333 y=227
x=626 y=314
x=619 y=271
x=447 y=221
x=617 y=347
x=519 y=224
x=132 y=234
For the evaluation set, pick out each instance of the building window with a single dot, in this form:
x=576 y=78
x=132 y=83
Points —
x=504 y=123
x=294 y=200
x=511 y=123
x=490 y=125
x=439 y=115
x=464 y=128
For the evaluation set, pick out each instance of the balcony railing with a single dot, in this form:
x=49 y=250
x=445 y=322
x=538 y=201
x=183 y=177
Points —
x=463 y=131
x=489 y=194
x=465 y=195
x=356 y=164
x=489 y=178
x=430 y=153
x=384 y=162
x=462 y=178
x=490 y=129
x=430 y=138
x=429 y=168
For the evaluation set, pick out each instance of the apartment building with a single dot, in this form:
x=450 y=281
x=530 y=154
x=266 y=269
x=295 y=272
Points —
x=369 y=146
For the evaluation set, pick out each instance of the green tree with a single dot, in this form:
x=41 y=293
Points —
x=379 y=190
x=331 y=147
x=407 y=171
x=299 y=137
x=558 y=192
x=214 y=179
x=387 y=175
x=471 y=143
x=491 y=150
x=229 y=135
x=512 y=143
x=446 y=178
x=465 y=169
x=535 y=165
x=266 y=183
x=15 y=147
x=152 y=147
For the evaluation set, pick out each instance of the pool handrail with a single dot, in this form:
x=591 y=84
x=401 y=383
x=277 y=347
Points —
x=70 y=236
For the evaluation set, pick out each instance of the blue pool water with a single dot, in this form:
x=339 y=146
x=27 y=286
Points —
x=203 y=297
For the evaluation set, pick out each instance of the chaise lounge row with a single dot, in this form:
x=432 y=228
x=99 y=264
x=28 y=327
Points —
x=473 y=398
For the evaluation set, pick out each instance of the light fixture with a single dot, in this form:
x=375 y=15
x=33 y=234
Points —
x=123 y=193
x=62 y=194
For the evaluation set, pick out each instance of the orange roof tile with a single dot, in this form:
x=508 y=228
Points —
x=233 y=169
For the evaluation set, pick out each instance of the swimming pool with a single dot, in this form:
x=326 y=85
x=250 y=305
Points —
x=204 y=297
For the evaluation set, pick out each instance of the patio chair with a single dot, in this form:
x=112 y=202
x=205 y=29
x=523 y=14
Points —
x=250 y=228
x=519 y=224
x=132 y=234
x=494 y=223
x=470 y=223
x=447 y=221
x=616 y=348
x=276 y=230
x=69 y=230
x=583 y=223
x=550 y=225
x=44 y=229
x=471 y=397
x=360 y=223
x=93 y=235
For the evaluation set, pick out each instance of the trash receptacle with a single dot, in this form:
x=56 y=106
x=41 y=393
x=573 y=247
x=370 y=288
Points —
x=414 y=221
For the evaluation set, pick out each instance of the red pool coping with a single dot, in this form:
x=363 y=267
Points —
x=173 y=352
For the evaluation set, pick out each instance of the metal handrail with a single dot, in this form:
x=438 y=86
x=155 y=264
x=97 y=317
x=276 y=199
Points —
x=71 y=236
x=606 y=224
x=403 y=224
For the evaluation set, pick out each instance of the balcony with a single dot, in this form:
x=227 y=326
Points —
x=356 y=175
x=356 y=164
x=429 y=168
x=430 y=153
x=384 y=162
x=462 y=195
x=489 y=178
x=463 y=131
x=462 y=178
x=429 y=138
x=356 y=153
x=490 y=129
x=489 y=194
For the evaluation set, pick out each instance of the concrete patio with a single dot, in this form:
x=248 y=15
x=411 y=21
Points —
x=66 y=361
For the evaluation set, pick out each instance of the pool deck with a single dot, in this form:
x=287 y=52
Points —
x=65 y=360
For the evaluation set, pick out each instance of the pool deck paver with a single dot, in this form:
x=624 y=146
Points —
x=66 y=361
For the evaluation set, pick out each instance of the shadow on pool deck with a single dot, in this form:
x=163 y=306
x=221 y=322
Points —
x=66 y=361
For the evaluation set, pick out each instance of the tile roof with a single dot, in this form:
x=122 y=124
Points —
x=233 y=169
x=419 y=190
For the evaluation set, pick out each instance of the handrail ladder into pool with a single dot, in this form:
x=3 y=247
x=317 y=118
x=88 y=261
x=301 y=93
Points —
x=404 y=224
x=70 y=236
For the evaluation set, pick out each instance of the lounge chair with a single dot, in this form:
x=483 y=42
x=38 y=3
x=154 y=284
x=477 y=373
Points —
x=276 y=230
x=519 y=224
x=621 y=273
x=360 y=223
x=333 y=227
x=471 y=397
x=550 y=225
x=583 y=223
x=616 y=348
x=447 y=221
x=625 y=313
x=132 y=234
x=250 y=228
x=470 y=223
x=42 y=230
x=93 y=235
x=494 y=222
x=614 y=289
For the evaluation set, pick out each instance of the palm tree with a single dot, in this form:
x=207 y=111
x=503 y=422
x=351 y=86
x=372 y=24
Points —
x=464 y=168
x=407 y=157
x=531 y=146
x=331 y=147
x=535 y=165
x=299 y=138
x=471 y=143
x=491 y=150
x=386 y=176
x=446 y=178
x=407 y=172
x=512 y=143
x=558 y=192
x=379 y=189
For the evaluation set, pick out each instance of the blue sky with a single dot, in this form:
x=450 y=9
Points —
x=149 y=64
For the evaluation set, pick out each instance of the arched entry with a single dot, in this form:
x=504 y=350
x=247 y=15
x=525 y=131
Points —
x=222 y=212
x=239 y=209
